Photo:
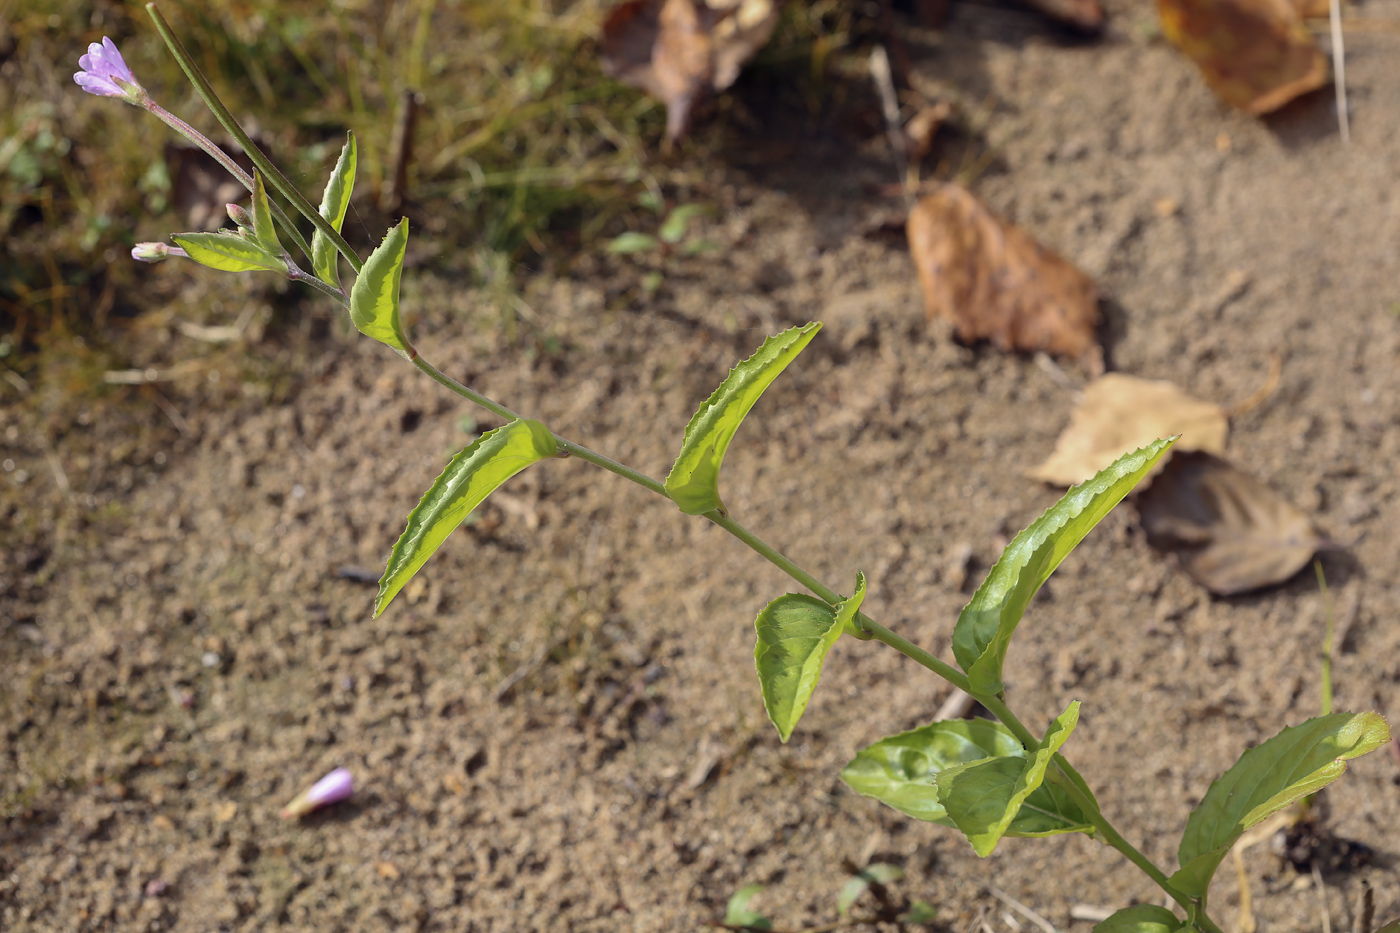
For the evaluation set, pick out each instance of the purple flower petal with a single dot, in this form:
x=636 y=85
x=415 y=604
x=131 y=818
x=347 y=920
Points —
x=334 y=787
x=102 y=67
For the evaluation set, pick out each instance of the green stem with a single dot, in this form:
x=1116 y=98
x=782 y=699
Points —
x=225 y=118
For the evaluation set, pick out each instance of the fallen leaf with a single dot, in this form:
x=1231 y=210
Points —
x=1118 y=413
x=994 y=282
x=1255 y=54
x=225 y=811
x=678 y=51
x=1231 y=532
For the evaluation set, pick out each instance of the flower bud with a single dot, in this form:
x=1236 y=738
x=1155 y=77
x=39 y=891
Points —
x=239 y=216
x=155 y=252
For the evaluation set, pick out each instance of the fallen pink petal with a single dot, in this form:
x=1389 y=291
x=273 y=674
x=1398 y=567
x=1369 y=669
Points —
x=104 y=72
x=334 y=787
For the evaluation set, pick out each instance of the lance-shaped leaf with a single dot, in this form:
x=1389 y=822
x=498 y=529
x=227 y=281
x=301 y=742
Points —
x=473 y=474
x=693 y=482
x=982 y=798
x=229 y=252
x=263 y=229
x=988 y=621
x=374 y=298
x=900 y=770
x=334 y=201
x=1141 y=918
x=794 y=634
x=1299 y=761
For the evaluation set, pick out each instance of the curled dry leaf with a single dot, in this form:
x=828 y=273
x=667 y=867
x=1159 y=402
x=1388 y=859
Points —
x=994 y=282
x=1255 y=54
x=1118 y=413
x=1231 y=532
x=680 y=50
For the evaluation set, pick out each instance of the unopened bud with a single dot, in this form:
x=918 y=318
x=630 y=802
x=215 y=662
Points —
x=155 y=252
x=239 y=216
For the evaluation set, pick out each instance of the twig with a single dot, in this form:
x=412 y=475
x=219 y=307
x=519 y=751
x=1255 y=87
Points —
x=1022 y=909
x=1245 y=919
x=955 y=707
x=1339 y=71
x=1090 y=912
x=1322 y=896
x=1365 y=909
x=1261 y=394
x=889 y=106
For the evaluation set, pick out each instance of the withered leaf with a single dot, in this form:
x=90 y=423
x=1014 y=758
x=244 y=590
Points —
x=678 y=51
x=1231 y=532
x=1255 y=54
x=994 y=282
x=1118 y=413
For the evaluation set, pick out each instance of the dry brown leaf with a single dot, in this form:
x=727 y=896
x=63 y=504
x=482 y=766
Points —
x=1118 y=413
x=994 y=282
x=1231 y=532
x=1255 y=54
x=680 y=50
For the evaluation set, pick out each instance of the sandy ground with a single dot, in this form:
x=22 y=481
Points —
x=558 y=726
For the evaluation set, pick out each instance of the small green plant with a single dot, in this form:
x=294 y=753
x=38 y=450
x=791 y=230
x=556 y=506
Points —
x=672 y=237
x=985 y=779
x=873 y=880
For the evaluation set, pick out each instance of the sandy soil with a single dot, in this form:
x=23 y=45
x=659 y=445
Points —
x=558 y=727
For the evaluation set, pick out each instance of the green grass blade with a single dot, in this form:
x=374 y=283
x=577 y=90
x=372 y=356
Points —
x=229 y=252
x=983 y=798
x=794 y=635
x=986 y=624
x=901 y=771
x=334 y=202
x=1299 y=761
x=476 y=472
x=374 y=298
x=1141 y=918
x=693 y=482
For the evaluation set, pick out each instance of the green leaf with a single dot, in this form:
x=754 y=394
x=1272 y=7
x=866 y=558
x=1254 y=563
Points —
x=476 y=472
x=988 y=621
x=983 y=797
x=794 y=635
x=1299 y=761
x=918 y=912
x=229 y=252
x=1141 y=918
x=901 y=770
x=374 y=298
x=877 y=873
x=673 y=229
x=334 y=201
x=693 y=482
x=263 y=229
x=629 y=243
x=737 y=913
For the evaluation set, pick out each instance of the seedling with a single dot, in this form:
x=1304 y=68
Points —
x=671 y=237
x=987 y=780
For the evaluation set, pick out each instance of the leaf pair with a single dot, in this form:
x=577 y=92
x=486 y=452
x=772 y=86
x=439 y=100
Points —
x=975 y=776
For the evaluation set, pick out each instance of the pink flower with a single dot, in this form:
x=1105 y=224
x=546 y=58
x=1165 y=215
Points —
x=334 y=787
x=106 y=75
